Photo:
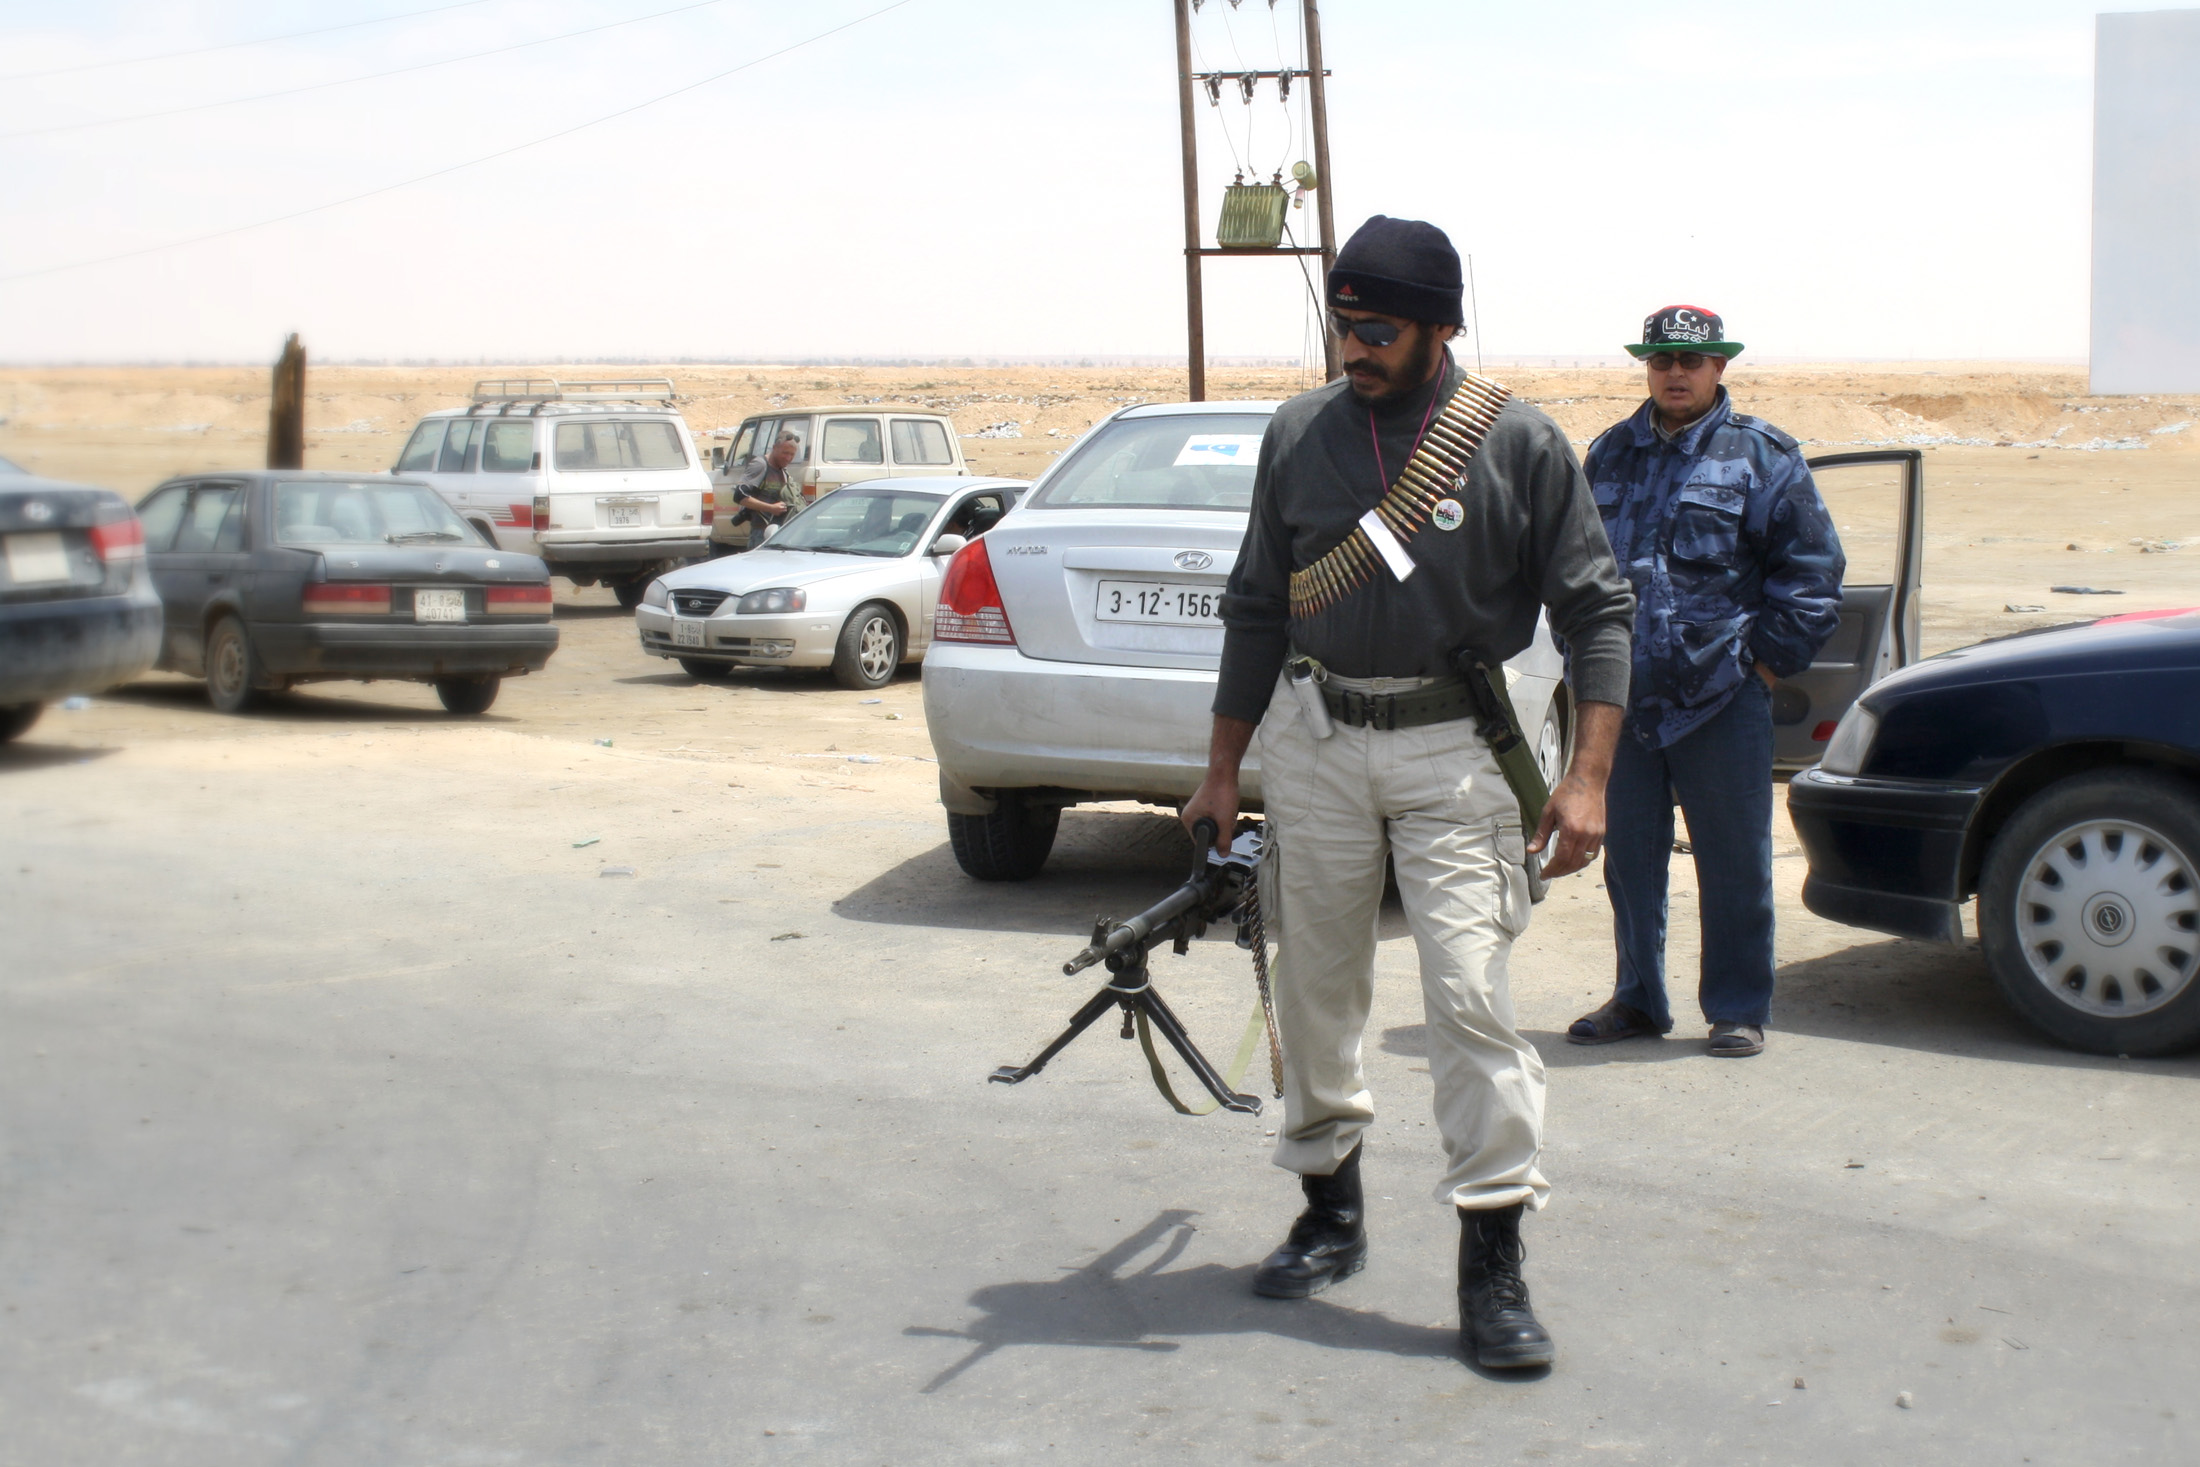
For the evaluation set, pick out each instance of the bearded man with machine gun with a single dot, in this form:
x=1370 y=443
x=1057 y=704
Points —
x=1407 y=524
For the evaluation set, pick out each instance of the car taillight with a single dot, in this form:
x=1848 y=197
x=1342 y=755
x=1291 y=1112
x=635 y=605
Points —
x=542 y=511
x=347 y=599
x=518 y=600
x=970 y=608
x=120 y=540
x=710 y=507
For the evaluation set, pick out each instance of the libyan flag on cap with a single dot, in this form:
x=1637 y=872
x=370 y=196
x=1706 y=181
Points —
x=1684 y=328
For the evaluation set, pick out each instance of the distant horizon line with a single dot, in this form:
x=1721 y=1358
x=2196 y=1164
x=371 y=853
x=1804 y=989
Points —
x=1507 y=359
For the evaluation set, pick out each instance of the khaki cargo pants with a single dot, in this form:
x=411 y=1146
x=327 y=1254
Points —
x=1433 y=800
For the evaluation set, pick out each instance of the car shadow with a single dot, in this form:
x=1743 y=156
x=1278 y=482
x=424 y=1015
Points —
x=289 y=707
x=20 y=756
x=568 y=611
x=1105 y=862
x=1108 y=1305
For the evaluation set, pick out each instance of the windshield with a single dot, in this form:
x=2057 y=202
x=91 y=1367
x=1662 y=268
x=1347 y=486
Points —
x=880 y=522
x=1188 y=461
x=365 y=514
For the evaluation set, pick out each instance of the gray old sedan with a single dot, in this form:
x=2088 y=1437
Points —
x=850 y=583
x=274 y=578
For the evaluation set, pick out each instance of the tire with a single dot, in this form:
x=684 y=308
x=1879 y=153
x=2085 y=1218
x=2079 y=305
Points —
x=232 y=667
x=468 y=695
x=706 y=672
x=1011 y=844
x=630 y=592
x=869 y=652
x=2089 y=913
x=16 y=721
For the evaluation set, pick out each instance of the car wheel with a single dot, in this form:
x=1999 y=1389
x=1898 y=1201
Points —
x=1011 y=844
x=17 y=720
x=2089 y=913
x=468 y=695
x=630 y=592
x=708 y=672
x=232 y=670
x=869 y=653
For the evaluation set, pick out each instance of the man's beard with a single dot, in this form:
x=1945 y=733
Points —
x=1415 y=373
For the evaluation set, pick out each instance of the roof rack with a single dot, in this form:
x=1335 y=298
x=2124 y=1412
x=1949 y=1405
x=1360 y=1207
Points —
x=550 y=389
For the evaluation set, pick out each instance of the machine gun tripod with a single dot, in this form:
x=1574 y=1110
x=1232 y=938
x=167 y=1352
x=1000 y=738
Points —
x=1219 y=886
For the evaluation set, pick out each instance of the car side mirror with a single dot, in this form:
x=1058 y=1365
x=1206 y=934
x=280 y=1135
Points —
x=718 y=457
x=948 y=544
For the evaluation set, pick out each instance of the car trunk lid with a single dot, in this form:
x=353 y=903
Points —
x=1130 y=589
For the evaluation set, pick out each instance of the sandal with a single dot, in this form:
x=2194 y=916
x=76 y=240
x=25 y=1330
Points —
x=1614 y=1021
x=1737 y=1041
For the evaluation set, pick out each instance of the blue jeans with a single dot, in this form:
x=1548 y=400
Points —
x=1722 y=773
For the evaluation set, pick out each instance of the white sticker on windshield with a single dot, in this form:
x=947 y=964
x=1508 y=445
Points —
x=1219 y=448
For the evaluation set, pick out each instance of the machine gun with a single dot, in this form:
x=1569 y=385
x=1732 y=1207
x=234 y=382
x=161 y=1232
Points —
x=1220 y=886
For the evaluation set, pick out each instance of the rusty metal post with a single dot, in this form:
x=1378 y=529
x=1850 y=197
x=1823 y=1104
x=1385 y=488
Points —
x=1194 y=309
x=286 y=413
x=1325 y=185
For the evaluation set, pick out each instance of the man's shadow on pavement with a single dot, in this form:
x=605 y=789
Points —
x=1099 y=1306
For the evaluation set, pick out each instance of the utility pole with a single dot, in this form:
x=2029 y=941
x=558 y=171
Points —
x=286 y=412
x=1194 y=252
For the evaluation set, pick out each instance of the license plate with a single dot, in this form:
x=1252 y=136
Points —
x=439 y=606
x=623 y=515
x=1160 y=603
x=687 y=631
x=36 y=558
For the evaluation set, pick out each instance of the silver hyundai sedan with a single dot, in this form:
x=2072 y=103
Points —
x=849 y=583
x=1074 y=653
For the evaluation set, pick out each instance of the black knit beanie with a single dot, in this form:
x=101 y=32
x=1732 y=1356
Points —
x=1399 y=267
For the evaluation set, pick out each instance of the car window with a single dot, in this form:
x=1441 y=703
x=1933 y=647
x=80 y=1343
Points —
x=853 y=441
x=860 y=522
x=230 y=537
x=203 y=517
x=921 y=441
x=455 y=444
x=160 y=515
x=975 y=515
x=364 y=514
x=508 y=448
x=1186 y=461
x=743 y=443
x=594 y=448
x=421 y=449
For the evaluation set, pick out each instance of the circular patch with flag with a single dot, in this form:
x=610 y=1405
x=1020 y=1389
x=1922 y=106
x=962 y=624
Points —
x=1447 y=515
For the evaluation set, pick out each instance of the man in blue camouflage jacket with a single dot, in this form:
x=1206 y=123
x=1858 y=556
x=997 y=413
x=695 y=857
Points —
x=1714 y=517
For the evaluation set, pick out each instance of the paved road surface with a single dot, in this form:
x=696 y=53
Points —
x=351 y=1116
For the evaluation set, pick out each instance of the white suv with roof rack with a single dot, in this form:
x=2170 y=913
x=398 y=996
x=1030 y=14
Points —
x=600 y=479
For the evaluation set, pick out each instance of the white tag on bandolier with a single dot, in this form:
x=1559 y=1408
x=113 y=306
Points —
x=1394 y=554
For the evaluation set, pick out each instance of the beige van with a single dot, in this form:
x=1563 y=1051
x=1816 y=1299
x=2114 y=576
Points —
x=838 y=446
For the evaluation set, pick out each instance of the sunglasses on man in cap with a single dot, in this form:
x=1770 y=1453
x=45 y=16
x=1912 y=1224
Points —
x=1687 y=361
x=1374 y=333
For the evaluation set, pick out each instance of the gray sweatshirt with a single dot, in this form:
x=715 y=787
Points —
x=1531 y=537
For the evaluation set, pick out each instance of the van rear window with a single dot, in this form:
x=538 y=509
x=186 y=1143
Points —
x=921 y=441
x=594 y=448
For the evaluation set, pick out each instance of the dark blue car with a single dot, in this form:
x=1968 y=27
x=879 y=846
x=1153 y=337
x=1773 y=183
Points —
x=2056 y=776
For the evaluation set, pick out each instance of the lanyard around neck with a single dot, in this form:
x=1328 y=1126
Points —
x=1382 y=473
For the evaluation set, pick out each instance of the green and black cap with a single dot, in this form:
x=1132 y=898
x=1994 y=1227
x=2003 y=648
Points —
x=1684 y=328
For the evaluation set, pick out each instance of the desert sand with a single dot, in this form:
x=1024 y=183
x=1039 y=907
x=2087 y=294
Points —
x=2030 y=483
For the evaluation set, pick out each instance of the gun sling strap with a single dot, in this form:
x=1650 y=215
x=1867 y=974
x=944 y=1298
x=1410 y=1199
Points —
x=1436 y=471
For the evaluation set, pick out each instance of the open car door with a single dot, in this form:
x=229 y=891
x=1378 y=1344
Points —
x=1877 y=500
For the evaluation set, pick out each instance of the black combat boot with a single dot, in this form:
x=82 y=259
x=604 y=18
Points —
x=1495 y=1323
x=1327 y=1243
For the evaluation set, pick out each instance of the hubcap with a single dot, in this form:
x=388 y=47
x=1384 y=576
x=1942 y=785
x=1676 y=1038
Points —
x=229 y=664
x=875 y=648
x=2109 y=917
x=1550 y=749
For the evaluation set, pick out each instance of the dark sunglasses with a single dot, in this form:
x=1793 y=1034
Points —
x=1374 y=333
x=1666 y=361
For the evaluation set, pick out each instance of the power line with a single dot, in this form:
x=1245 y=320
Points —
x=38 y=132
x=349 y=25
x=176 y=244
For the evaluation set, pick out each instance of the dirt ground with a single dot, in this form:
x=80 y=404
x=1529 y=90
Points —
x=2030 y=484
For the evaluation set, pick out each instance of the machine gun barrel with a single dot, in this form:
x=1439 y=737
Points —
x=1191 y=896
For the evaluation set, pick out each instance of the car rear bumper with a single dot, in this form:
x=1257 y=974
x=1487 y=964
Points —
x=1000 y=720
x=76 y=644
x=1885 y=854
x=694 y=545
x=420 y=652
x=802 y=640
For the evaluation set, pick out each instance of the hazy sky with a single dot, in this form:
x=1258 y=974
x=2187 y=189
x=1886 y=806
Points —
x=982 y=177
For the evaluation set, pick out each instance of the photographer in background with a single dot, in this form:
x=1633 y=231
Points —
x=765 y=493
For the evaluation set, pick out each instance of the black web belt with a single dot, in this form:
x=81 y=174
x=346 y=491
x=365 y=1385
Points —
x=1440 y=702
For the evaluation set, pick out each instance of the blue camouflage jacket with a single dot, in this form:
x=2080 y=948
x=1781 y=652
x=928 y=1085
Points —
x=1733 y=557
